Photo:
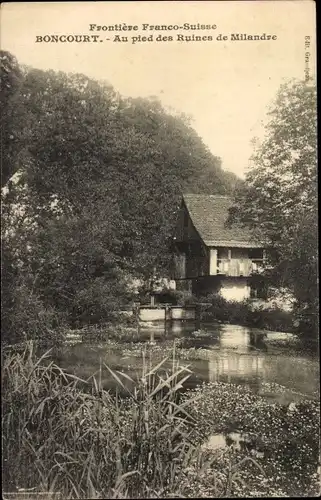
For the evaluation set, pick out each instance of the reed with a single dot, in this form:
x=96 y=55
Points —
x=65 y=434
x=68 y=436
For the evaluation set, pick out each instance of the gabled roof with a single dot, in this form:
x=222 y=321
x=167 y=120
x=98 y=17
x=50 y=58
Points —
x=209 y=214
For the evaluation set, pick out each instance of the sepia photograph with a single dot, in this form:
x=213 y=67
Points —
x=159 y=250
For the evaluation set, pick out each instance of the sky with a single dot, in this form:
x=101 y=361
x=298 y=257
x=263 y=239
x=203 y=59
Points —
x=226 y=86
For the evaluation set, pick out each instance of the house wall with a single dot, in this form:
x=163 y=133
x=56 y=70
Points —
x=235 y=289
x=197 y=259
x=213 y=261
x=180 y=265
x=191 y=258
x=232 y=262
x=185 y=230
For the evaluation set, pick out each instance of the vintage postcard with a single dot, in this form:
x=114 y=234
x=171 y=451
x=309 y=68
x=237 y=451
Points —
x=159 y=250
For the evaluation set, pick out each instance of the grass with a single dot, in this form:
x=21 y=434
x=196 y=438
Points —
x=69 y=435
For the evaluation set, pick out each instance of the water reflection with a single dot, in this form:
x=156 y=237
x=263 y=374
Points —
x=235 y=364
x=236 y=338
x=236 y=440
x=230 y=353
x=243 y=357
x=257 y=341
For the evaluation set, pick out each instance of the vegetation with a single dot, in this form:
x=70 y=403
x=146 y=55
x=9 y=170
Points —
x=86 y=443
x=286 y=437
x=215 y=308
x=279 y=202
x=243 y=313
x=91 y=185
x=64 y=172
x=90 y=188
x=68 y=435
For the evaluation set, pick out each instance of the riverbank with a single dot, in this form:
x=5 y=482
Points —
x=154 y=441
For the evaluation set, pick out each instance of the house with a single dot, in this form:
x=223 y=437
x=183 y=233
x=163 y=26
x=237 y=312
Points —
x=211 y=257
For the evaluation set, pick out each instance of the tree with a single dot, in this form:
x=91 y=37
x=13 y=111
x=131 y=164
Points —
x=83 y=141
x=279 y=198
x=96 y=188
x=11 y=78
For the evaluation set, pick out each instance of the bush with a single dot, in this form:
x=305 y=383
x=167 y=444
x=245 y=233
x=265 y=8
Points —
x=243 y=313
x=307 y=323
x=29 y=319
x=226 y=311
x=179 y=297
x=274 y=319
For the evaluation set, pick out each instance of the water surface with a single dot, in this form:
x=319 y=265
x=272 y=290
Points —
x=230 y=353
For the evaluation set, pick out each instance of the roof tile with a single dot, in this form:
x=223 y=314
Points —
x=209 y=215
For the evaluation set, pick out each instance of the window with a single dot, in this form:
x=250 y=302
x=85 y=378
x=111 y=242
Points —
x=222 y=253
x=256 y=253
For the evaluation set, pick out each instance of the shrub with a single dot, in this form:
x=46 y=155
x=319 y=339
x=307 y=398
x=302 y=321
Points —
x=179 y=297
x=271 y=319
x=226 y=311
x=243 y=313
x=307 y=323
x=29 y=319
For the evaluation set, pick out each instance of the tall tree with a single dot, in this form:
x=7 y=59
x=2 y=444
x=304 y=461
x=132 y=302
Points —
x=83 y=141
x=97 y=185
x=279 y=199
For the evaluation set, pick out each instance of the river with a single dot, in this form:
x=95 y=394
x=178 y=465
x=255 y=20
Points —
x=229 y=353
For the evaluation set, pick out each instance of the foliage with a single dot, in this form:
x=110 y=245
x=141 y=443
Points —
x=214 y=307
x=279 y=199
x=99 y=142
x=177 y=297
x=244 y=313
x=31 y=320
x=123 y=330
x=92 y=185
x=11 y=80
